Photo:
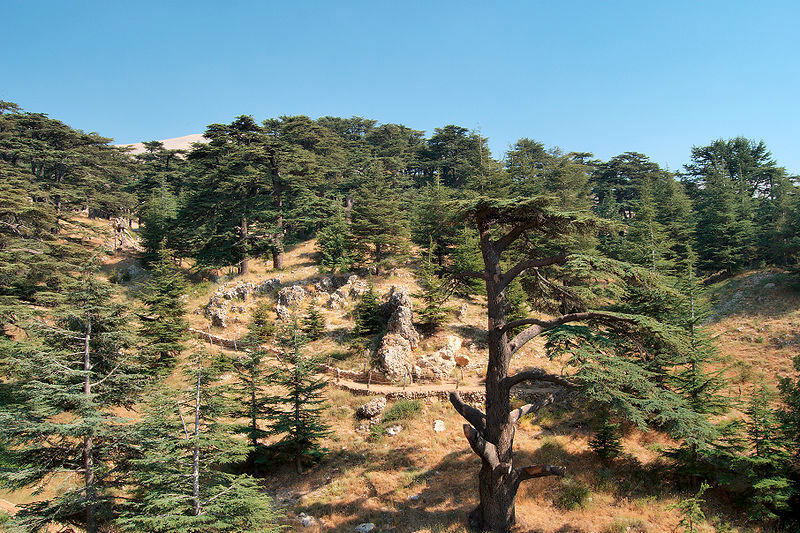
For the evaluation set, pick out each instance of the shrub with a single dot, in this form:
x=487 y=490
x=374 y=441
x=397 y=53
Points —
x=575 y=494
x=402 y=410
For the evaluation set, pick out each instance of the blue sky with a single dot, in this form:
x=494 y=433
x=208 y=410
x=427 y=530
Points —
x=604 y=77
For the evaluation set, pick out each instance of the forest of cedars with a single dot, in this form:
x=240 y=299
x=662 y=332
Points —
x=75 y=355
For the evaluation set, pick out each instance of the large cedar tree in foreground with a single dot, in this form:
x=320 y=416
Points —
x=621 y=359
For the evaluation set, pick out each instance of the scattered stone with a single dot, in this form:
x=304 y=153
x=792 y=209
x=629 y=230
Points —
x=462 y=311
x=769 y=285
x=438 y=426
x=441 y=363
x=268 y=286
x=366 y=527
x=462 y=361
x=394 y=430
x=306 y=520
x=372 y=408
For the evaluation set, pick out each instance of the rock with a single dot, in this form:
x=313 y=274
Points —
x=218 y=316
x=441 y=363
x=282 y=311
x=462 y=311
x=358 y=289
x=395 y=356
x=462 y=360
x=438 y=426
x=288 y=296
x=769 y=285
x=134 y=271
x=398 y=297
x=306 y=520
x=400 y=323
x=267 y=286
x=372 y=408
x=324 y=285
x=335 y=301
x=394 y=430
x=366 y=527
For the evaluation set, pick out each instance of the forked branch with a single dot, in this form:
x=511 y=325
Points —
x=516 y=414
x=522 y=266
x=472 y=415
x=480 y=446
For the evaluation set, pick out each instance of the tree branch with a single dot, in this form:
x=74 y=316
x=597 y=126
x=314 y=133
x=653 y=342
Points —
x=503 y=242
x=472 y=415
x=534 y=471
x=539 y=326
x=468 y=274
x=522 y=266
x=537 y=374
x=516 y=414
x=486 y=450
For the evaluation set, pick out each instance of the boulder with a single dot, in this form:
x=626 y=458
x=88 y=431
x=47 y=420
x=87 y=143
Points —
x=441 y=363
x=394 y=430
x=366 y=527
x=289 y=296
x=395 y=356
x=283 y=312
x=335 y=301
x=372 y=408
x=218 y=316
x=267 y=286
x=324 y=284
x=398 y=297
x=438 y=426
x=462 y=360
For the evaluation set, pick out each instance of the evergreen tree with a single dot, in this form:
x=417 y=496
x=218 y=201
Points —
x=367 y=315
x=164 y=327
x=313 y=323
x=297 y=413
x=435 y=291
x=70 y=378
x=335 y=243
x=607 y=441
x=179 y=480
x=380 y=230
x=767 y=467
x=157 y=220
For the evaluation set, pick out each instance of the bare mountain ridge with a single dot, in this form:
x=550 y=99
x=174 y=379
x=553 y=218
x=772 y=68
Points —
x=176 y=143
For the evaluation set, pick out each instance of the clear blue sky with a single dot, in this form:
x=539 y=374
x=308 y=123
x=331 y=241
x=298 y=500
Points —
x=604 y=77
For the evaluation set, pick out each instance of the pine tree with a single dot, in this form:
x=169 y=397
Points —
x=767 y=467
x=334 y=244
x=435 y=291
x=164 y=327
x=180 y=484
x=380 y=230
x=607 y=441
x=367 y=315
x=297 y=413
x=157 y=220
x=70 y=378
x=313 y=323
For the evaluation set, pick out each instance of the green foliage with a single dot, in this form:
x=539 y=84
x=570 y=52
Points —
x=402 y=410
x=313 y=323
x=607 y=440
x=69 y=377
x=573 y=494
x=367 y=315
x=163 y=328
x=379 y=227
x=297 y=414
x=179 y=481
x=334 y=244
x=691 y=510
x=435 y=292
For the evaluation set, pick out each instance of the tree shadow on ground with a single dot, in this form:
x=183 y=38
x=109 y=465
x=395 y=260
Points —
x=477 y=336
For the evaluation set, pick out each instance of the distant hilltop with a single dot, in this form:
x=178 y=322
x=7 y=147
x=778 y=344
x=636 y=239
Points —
x=178 y=143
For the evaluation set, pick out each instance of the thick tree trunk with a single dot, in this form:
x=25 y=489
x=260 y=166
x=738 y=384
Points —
x=496 y=487
x=277 y=257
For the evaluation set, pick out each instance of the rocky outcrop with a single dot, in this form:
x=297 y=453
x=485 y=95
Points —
x=220 y=302
x=289 y=296
x=440 y=364
x=395 y=356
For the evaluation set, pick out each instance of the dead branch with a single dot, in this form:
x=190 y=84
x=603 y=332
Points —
x=472 y=415
x=486 y=450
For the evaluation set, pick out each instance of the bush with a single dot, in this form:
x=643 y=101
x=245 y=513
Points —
x=402 y=410
x=575 y=494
